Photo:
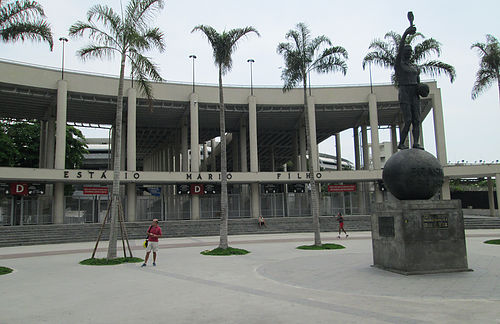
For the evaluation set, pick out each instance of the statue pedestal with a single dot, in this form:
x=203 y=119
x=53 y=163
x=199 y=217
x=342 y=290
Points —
x=419 y=236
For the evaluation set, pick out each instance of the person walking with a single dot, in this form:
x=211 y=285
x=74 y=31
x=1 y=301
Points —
x=340 y=219
x=154 y=232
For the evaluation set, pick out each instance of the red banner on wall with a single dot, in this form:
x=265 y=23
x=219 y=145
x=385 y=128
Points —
x=95 y=190
x=342 y=188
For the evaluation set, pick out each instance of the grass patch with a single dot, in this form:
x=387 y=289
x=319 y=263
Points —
x=104 y=261
x=228 y=251
x=492 y=242
x=326 y=246
x=5 y=270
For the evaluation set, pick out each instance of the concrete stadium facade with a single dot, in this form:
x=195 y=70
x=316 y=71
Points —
x=167 y=144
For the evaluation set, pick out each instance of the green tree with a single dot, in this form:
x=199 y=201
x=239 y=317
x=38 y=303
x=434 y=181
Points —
x=23 y=19
x=75 y=148
x=303 y=55
x=223 y=45
x=489 y=66
x=385 y=51
x=8 y=152
x=20 y=145
x=127 y=35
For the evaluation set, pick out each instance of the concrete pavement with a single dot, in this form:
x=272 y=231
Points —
x=275 y=283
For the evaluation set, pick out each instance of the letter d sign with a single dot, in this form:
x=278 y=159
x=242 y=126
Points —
x=20 y=189
x=197 y=189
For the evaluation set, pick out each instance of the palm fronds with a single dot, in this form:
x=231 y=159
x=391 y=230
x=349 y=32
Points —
x=24 y=20
x=383 y=53
x=489 y=66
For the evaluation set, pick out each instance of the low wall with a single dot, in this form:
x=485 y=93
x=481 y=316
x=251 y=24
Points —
x=67 y=233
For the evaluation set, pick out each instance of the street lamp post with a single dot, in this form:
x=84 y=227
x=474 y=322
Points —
x=63 y=40
x=251 y=61
x=193 y=57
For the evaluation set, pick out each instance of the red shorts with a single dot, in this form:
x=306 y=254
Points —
x=341 y=225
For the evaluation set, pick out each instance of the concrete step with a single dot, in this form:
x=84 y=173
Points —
x=44 y=234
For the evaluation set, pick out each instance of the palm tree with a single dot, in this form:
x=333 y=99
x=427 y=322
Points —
x=126 y=35
x=24 y=20
x=489 y=67
x=385 y=51
x=223 y=44
x=303 y=55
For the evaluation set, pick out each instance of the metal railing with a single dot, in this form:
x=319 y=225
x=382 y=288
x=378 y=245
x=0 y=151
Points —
x=92 y=209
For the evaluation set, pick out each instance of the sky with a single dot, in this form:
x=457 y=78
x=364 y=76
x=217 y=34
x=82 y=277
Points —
x=471 y=127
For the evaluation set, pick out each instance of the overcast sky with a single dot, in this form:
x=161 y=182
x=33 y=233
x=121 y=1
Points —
x=472 y=131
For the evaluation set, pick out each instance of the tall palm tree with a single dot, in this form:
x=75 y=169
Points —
x=20 y=20
x=223 y=44
x=302 y=55
x=385 y=51
x=127 y=35
x=489 y=67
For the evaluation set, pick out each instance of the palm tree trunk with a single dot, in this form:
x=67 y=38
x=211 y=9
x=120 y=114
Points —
x=115 y=200
x=223 y=169
x=312 y=173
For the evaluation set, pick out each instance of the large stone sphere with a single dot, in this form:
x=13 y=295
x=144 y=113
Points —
x=413 y=174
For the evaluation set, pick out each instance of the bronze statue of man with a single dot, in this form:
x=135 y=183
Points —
x=408 y=76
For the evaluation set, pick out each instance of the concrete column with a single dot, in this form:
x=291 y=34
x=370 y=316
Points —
x=243 y=147
x=178 y=153
x=62 y=98
x=254 y=161
x=357 y=166
x=357 y=159
x=60 y=156
x=295 y=151
x=51 y=143
x=338 y=150
x=372 y=106
x=440 y=140
x=311 y=111
x=213 y=158
x=243 y=154
x=184 y=147
x=42 y=154
x=195 y=151
x=421 y=138
x=497 y=180
x=235 y=142
x=365 y=147
x=271 y=156
x=123 y=157
x=303 y=148
x=252 y=125
x=491 y=197
x=170 y=158
x=394 y=139
x=205 y=157
x=131 y=151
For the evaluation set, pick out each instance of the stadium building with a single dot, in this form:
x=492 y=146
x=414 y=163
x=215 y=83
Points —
x=170 y=153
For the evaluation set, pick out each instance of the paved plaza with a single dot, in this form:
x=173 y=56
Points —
x=275 y=283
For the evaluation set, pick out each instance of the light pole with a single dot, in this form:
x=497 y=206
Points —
x=63 y=40
x=193 y=57
x=251 y=61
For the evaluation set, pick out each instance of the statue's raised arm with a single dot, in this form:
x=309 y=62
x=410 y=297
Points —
x=409 y=31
